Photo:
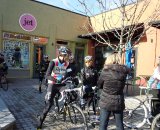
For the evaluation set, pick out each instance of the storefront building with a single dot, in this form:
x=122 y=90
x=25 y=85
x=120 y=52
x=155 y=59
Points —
x=33 y=29
x=30 y=29
x=145 y=52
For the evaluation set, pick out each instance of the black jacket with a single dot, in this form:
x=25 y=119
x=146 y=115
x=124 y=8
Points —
x=112 y=80
x=89 y=76
x=44 y=66
x=71 y=70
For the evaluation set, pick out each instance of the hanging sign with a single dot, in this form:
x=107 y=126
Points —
x=27 y=22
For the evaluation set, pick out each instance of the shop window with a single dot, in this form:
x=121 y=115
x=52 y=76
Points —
x=16 y=53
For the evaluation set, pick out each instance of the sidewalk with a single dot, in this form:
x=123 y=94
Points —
x=24 y=102
x=7 y=120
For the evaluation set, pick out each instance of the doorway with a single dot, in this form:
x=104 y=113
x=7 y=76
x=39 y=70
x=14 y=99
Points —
x=79 y=58
x=38 y=56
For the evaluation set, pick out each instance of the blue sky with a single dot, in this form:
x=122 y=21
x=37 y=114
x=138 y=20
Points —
x=72 y=5
x=75 y=6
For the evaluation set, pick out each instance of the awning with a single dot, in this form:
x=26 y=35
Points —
x=155 y=24
x=110 y=33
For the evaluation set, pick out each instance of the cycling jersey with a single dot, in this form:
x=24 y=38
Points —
x=56 y=71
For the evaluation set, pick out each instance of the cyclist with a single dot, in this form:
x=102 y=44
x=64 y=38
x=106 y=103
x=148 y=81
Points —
x=43 y=68
x=56 y=70
x=89 y=78
x=3 y=66
x=72 y=70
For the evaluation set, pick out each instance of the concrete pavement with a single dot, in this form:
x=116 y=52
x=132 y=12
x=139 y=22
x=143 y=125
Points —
x=7 y=120
x=24 y=102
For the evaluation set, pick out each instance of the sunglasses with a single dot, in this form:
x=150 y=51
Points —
x=88 y=61
x=63 y=55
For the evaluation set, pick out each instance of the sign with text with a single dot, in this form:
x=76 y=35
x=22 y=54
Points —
x=28 y=22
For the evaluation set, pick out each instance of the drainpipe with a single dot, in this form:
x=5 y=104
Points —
x=155 y=50
x=1 y=29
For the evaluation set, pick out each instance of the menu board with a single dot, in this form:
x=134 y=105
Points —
x=13 y=49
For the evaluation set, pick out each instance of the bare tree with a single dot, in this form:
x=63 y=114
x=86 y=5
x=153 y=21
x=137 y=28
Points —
x=119 y=21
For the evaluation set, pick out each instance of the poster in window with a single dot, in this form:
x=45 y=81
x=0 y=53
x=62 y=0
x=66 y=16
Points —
x=16 y=54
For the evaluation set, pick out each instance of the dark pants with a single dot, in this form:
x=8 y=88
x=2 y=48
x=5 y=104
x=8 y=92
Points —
x=88 y=96
x=54 y=89
x=41 y=78
x=104 y=119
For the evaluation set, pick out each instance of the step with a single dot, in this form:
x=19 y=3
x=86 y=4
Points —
x=7 y=120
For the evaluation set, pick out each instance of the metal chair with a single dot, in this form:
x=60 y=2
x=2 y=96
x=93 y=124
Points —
x=135 y=83
x=132 y=83
x=143 y=85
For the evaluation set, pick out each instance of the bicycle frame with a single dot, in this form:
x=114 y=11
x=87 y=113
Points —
x=147 y=103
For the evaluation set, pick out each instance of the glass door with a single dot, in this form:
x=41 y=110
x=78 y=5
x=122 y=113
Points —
x=79 y=58
x=38 y=56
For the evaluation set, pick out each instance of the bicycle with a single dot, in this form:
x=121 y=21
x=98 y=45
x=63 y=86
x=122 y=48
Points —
x=3 y=82
x=156 y=123
x=66 y=109
x=138 y=112
x=91 y=99
x=91 y=114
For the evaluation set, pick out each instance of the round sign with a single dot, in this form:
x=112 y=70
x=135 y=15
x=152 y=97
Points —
x=28 y=22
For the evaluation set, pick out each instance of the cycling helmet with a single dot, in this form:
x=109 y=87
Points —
x=88 y=58
x=45 y=56
x=63 y=50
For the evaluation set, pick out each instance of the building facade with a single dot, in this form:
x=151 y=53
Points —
x=146 y=51
x=33 y=29
x=30 y=29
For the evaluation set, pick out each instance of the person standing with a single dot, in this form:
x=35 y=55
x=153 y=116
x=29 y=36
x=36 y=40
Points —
x=3 y=66
x=55 y=73
x=112 y=82
x=17 y=57
x=89 y=78
x=43 y=68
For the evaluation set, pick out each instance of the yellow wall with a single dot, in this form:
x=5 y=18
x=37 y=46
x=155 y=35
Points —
x=52 y=23
x=147 y=53
x=113 y=18
x=147 y=50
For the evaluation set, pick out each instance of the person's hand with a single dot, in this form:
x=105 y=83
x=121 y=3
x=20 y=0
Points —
x=45 y=81
x=48 y=96
x=96 y=89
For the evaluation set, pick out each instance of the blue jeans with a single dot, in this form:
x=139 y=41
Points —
x=104 y=119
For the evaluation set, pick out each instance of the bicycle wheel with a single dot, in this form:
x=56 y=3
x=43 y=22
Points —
x=77 y=117
x=156 y=123
x=135 y=113
x=4 y=83
x=93 y=108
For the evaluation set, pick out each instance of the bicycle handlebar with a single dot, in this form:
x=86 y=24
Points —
x=68 y=78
